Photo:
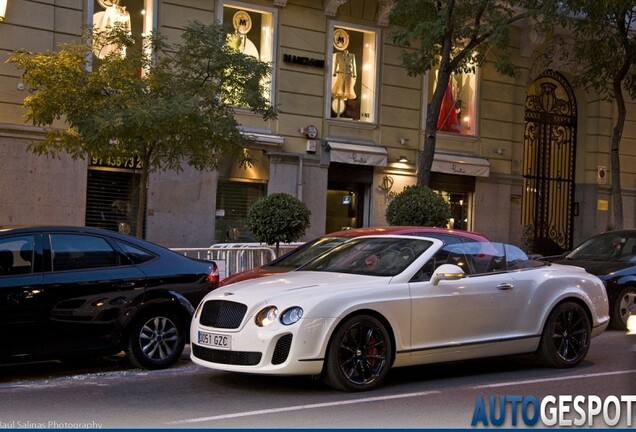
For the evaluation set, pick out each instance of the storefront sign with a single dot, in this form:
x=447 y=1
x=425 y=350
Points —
x=304 y=61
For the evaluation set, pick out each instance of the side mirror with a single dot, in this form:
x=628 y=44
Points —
x=447 y=272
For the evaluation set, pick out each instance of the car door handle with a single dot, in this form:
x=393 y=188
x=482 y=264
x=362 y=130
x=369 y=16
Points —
x=505 y=286
x=126 y=285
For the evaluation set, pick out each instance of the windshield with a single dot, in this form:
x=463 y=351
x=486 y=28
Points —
x=610 y=247
x=307 y=252
x=371 y=256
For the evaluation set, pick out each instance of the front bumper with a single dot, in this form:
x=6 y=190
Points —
x=298 y=349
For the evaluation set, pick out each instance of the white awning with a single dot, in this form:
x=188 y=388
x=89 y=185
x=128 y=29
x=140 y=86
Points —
x=265 y=139
x=357 y=154
x=462 y=165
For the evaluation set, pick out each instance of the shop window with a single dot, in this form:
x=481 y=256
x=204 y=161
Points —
x=458 y=191
x=135 y=16
x=460 y=204
x=352 y=81
x=252 y=32
x=458 y=111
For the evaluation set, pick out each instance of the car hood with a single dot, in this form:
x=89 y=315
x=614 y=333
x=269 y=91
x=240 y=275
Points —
x=294 y=285
x=597 y=268
x=255 y=273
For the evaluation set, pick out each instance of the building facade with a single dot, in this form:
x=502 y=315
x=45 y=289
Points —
x=511 y=152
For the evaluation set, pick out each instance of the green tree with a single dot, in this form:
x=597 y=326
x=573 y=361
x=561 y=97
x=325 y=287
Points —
x=457 y=36
x=419 y=206
x=278 y=217
x=604 y=48
x=161 y=104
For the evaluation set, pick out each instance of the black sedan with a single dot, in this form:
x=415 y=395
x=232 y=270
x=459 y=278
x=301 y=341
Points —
x=68 y=291
x=612 y=257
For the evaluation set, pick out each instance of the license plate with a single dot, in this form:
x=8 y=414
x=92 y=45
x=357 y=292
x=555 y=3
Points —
x=215 y=340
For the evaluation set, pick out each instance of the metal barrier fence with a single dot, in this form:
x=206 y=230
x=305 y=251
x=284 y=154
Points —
x=233 y=258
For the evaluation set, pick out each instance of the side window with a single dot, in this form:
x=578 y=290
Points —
x=76 y=251
x=515 y=257
x=353 y=77
x=16 y=255
x=134 y=254
x=447 y=254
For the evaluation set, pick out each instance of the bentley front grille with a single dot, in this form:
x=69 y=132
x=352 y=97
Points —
x=222 y=314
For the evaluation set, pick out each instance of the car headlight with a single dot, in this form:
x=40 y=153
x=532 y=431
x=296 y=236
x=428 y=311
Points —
x=291 y=315
x=266 y=316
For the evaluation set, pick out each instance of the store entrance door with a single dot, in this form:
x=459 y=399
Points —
x=348 y=196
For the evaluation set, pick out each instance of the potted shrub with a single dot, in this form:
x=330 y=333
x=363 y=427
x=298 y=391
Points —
x=419 y=206
x=277 y=218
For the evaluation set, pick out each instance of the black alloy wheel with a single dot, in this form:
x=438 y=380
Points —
x=359 y=354
x=156 y=341
x=566 y=336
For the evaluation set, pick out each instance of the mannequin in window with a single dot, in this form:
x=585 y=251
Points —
x=105 y=20
x=344 y=71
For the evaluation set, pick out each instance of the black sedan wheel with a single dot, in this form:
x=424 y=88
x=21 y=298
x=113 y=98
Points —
x=566 y=336
x=156 y=341
x=359 y=355
x=624 y=306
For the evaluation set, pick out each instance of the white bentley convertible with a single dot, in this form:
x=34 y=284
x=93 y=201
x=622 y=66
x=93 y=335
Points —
x=386 y=301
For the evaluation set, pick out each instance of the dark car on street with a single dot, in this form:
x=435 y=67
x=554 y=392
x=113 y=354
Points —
x=612 y=257
x=70 y=291
x=308 y=251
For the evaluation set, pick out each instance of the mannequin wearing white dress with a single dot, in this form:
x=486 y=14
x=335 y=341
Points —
x=106 y=20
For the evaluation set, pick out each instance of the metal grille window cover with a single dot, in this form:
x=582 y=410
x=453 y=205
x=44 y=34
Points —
x=548 y=165
x=111 y=199
x=233 y=201
x=242 y=358
x=223 y=314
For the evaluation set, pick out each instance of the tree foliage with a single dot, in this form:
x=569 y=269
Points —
x=457 y=36
x=277 y=218
x=419 y=206
x=604 y=48
x=162 y=104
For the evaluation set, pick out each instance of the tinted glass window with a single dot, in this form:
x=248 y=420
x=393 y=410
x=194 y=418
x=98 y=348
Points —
x=16 y=255
x=76 y=251
x=610 y=247
x=134 y=254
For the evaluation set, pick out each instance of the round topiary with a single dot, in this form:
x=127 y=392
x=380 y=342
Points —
x=277 y=218
x=419 y=206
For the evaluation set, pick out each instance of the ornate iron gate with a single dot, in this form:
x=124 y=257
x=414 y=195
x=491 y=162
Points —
x=548 y=163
